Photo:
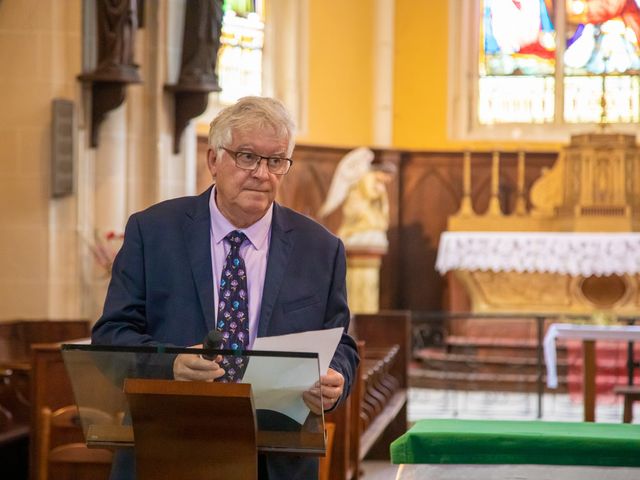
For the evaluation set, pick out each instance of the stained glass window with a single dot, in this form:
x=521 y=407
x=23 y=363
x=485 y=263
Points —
x=517 y=62
x=601 y=53
x=520 y=63
x=240 y=54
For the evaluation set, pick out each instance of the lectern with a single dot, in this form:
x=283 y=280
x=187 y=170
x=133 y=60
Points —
x=195 y=429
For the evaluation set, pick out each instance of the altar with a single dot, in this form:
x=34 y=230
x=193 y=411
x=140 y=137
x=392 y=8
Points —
x=545 y=272
x=568 y=246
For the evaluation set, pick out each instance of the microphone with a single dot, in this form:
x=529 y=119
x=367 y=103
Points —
x=213 y=340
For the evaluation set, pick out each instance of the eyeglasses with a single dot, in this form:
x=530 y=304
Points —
x=251 y=161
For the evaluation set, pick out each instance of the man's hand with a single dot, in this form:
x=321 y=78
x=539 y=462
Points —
x=188 y=366
x=331 y=385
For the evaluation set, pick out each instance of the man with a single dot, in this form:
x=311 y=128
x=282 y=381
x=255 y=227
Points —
x=166 y=279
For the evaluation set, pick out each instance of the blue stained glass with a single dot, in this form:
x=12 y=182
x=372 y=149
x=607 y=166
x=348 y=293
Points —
x=490 y=44
x=545 y=19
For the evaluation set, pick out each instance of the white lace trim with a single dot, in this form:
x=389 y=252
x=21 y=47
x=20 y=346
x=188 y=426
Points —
x=564 y=253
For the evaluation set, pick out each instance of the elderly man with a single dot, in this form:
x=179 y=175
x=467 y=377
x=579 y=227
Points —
x=170 y=279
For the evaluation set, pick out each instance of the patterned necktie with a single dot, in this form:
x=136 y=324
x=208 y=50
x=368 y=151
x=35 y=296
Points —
x=233 y=308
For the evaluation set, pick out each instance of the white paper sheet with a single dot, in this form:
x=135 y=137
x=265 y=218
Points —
x=324 y=342
x=282 y=391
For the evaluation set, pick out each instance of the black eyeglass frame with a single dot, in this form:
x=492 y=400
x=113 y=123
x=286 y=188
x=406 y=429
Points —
x=235 y=154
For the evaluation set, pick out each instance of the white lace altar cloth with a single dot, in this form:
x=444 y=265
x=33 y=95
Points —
x=573 y=254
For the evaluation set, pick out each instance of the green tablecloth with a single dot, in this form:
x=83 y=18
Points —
x=518 y=442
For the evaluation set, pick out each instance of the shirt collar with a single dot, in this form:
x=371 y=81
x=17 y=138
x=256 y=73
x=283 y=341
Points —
x=220 y=227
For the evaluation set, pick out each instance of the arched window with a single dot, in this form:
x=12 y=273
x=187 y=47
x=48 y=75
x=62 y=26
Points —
x=263 y=52
x=240 y=54
x=544 y=67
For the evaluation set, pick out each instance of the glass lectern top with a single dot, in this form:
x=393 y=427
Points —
x=284 y=422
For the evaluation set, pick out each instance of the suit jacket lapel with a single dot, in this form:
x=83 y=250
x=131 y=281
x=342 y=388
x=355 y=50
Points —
x=197 y=236
x=279 y=252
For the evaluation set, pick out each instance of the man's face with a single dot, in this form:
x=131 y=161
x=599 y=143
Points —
x=244 y=196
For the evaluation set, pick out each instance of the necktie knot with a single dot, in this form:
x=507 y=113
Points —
x=235 y=238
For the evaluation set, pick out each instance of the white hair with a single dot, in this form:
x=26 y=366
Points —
x=251 y=112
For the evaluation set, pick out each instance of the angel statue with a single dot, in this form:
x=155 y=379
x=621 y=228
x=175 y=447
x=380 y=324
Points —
x=360 y=186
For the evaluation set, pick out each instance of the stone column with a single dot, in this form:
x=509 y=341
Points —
x=363 y=279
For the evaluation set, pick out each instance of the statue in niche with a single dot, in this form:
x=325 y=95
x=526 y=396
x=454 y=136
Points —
x=201 y=42
x=360 y=186
x=117 y=24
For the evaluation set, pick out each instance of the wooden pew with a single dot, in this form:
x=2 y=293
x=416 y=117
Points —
x=376 y=411
x=50 y=388
x=17 y=383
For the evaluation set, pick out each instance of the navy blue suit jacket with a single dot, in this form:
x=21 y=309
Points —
x=161 y=292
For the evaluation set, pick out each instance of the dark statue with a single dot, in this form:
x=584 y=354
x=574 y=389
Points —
x=117 y=24
x=201 y=42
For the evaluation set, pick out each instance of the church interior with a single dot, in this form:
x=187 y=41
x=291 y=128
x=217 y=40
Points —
x=492 y=142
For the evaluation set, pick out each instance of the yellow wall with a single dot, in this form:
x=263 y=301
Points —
x=340 y=92
x=340 y=72
x=420 y=77
x=40 y=55
x=340 y=60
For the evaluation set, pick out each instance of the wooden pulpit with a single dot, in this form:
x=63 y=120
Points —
x=192 y=430
x=186 y=430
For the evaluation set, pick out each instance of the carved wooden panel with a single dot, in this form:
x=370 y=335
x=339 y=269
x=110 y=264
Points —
x=430 y=192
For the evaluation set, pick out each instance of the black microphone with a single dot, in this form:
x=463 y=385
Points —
x=213 y=341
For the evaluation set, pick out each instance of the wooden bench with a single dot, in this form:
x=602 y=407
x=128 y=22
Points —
x=17 y=424
x=376 y=411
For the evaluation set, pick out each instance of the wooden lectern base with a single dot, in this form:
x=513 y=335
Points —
x=188 y=430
